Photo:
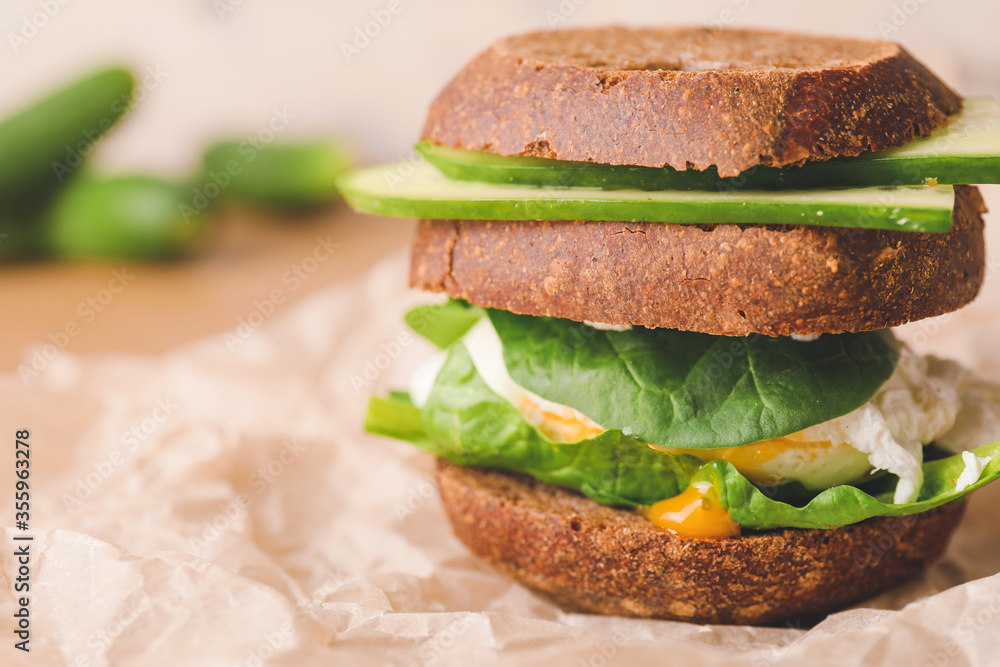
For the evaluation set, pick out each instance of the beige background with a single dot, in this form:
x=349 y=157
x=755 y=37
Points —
x=228 y=62
x=222 y=67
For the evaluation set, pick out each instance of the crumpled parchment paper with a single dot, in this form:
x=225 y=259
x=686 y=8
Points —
x=220 y=505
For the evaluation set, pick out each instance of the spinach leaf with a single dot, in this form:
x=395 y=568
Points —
x=693 y=390
x=443 y=324
x=465 y=422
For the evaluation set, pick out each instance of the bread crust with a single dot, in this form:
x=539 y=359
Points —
x=728 y=280
x=688 y=98
x=612 y=561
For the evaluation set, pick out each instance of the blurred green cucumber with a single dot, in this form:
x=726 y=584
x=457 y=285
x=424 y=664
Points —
x=124 y=217
x=20 y=239
x=274 y=175
x=43 y=144
x=22 y=229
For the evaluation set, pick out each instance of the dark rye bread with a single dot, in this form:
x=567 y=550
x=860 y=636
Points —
x=688 y=98
x=611 y=561
x=719 y=279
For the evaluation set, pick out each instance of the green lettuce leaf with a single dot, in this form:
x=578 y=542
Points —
x=396 y=417
x=466 y=422
x=443 y=324
x=844 y=504
x=693 y=390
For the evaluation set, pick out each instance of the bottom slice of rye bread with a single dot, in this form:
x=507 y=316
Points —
x=729 y=280
x=600 y=559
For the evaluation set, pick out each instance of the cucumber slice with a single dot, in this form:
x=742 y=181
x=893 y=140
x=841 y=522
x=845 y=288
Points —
x=424 y=192
x=967 y=151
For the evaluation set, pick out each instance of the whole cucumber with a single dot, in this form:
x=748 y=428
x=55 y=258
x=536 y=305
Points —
x=276 y=175
x=22 y=229
x=124 y=217
x=43 y=144
x=20 y=239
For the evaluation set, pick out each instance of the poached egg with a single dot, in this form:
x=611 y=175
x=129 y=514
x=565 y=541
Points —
x=925 y=400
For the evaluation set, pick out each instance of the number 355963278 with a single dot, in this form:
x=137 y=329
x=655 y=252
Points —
x=22 y=465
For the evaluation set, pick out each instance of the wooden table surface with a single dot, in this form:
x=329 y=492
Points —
x=150 y=308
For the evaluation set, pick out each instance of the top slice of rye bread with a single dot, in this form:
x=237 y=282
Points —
x=688 y=98
x=729 y=280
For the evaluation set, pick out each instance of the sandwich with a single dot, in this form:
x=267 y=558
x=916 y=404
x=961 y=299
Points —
x=667 y=385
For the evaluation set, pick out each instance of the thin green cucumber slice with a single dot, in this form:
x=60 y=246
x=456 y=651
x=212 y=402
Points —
x=424 y=192
x=967 y=151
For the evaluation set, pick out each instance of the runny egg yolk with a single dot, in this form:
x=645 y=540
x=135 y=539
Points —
x=751 y=460
x=694 y=513
x=558 y=422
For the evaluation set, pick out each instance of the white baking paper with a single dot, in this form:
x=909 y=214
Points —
x=220 y=505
